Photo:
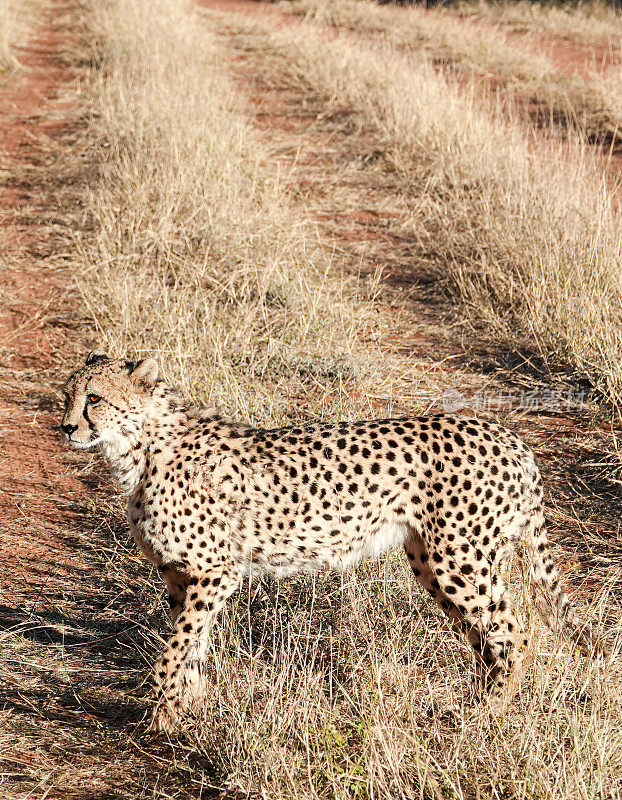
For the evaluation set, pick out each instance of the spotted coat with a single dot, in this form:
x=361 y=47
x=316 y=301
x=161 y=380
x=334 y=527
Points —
x=211 y=501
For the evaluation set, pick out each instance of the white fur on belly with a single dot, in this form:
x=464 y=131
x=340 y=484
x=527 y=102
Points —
x=387 y=536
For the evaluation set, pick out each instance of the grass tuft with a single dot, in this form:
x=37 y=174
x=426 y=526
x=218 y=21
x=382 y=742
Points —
x=17 y=18
x=593 y=22
x=196 y=257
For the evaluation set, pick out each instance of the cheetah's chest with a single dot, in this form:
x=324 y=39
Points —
x=149 y=529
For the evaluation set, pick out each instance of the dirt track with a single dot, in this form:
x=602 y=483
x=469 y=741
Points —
x=38 y=318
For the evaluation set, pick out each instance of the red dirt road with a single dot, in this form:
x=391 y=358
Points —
x=67 y=685
x=571 y=57
x=37 y=321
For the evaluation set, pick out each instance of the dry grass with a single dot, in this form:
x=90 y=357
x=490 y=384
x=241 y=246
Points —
x=356 y=688
x=319 y=688
x=589 y=104
x=328 y=687
x=16 y=20
x=196 y=256
x=591 y=23
x=533 y=246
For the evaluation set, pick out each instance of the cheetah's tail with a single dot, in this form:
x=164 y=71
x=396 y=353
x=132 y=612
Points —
x=551 y=600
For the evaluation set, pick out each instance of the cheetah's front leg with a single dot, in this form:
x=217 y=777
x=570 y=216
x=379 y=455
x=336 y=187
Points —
x=177 y=581
x=178 y=670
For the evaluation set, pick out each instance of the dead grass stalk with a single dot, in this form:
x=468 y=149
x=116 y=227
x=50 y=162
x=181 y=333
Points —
x=590 y=23
x=16 y=20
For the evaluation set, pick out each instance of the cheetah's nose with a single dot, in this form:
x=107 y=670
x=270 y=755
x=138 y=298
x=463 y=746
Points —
x=68 y=429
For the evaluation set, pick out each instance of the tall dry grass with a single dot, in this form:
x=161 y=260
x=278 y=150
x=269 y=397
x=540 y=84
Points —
x=16 y=20
x=591 y=23
x=340 y=687
x=590 y=104
x=531 y=238
x=355 y=688
x=196 y=257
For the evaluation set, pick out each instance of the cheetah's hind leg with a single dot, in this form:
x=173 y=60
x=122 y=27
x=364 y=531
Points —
x=499 y=642
x=485 y=614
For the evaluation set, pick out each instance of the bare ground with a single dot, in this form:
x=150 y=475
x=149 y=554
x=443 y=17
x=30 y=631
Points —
x=77 y=614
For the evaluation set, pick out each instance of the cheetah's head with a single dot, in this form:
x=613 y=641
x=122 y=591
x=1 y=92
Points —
x=106 y=400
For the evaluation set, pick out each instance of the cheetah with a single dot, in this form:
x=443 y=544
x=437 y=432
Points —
x=210 y=501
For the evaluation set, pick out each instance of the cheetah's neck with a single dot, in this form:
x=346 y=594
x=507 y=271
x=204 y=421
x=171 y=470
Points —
x=126 y=458
x=166 y=415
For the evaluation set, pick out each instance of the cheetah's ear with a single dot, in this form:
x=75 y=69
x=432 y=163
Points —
x=145 y=372
x=96 y=355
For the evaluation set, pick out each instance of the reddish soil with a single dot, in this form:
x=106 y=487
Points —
x=580 y=59
x=570 y=57
x=37 y=324
x=65 y=675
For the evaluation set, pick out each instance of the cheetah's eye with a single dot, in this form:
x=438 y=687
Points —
x=93 y=398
